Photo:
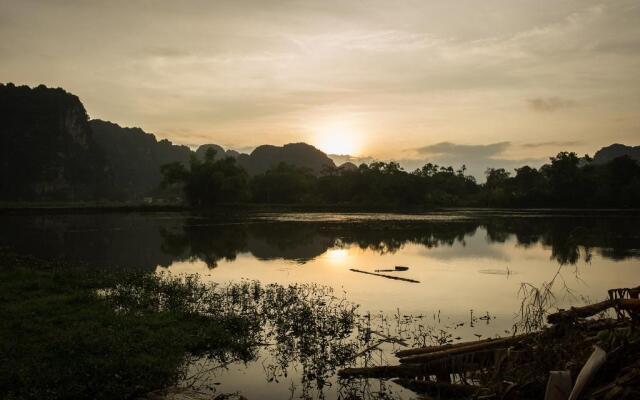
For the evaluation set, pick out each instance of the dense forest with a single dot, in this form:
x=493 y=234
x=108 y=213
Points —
x=567 y=181
x=51 y=150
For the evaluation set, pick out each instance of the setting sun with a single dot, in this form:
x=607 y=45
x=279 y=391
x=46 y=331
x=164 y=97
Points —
x=338 y=138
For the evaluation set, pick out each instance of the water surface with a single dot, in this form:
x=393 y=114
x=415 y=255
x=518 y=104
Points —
x=470 y=265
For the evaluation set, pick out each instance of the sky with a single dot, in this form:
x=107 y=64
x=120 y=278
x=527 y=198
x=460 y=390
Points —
x=492 y=82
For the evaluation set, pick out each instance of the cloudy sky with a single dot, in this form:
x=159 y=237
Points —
x=500 y=82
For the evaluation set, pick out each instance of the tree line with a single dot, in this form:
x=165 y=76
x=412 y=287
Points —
x=567 y=181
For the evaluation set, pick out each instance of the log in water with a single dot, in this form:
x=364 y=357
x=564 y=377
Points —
x=385 y=276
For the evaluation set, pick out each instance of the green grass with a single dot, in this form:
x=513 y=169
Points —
x=60 y=339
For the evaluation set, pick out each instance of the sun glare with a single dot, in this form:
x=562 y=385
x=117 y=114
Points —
x=338 y=138
x=337 y=256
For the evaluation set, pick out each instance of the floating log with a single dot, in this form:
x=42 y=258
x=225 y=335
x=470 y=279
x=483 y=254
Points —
x=398 y=268
x=385 y=276
x=445 y=347
x=430 y=354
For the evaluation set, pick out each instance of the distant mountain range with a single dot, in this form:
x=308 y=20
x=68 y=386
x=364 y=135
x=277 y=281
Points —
x=51 y=151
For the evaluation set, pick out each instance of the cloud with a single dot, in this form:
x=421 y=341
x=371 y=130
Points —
x=476 y=157
x=461 y=150
x=549 y=104
x=551 y=144
x=340 y=159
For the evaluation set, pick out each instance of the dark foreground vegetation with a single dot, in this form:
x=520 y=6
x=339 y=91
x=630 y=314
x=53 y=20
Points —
x=567 y=182
x=79 y=333
x=74 y=333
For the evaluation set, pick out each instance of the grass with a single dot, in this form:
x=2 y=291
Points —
x=60 y=338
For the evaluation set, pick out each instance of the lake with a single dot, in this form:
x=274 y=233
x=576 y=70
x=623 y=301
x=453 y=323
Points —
x=464 y=278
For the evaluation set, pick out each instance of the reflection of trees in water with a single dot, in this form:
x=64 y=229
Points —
x=193 y=242
x=568 y=239
x=145 y=242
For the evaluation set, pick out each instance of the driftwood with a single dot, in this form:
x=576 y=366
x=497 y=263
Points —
x=385 y=276
x=592 y=309
x=447 y=347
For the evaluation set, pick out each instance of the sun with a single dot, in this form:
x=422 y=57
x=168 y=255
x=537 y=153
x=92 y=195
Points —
x=338 y=138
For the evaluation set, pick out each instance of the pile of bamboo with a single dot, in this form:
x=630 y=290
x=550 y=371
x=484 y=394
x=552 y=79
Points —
x=418 y=367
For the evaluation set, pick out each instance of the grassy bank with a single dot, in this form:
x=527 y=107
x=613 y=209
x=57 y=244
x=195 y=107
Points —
x=64 y=336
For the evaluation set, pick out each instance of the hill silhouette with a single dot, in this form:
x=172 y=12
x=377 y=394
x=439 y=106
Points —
x=135 y=158
x=52 y=151
x=47 y=147
x=611 y=152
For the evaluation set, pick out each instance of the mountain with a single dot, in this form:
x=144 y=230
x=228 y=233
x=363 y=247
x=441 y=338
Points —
x=608 y=153
x=268 y=156
x=47 y=151
x=135 y=157
x=298 y=154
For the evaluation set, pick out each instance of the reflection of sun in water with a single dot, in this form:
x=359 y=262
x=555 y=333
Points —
x=338 y=138
x=337 y=256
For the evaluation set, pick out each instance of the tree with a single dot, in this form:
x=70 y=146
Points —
x=208 y=182
x=283 y=184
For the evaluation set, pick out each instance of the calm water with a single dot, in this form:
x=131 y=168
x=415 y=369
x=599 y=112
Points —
x=470 y=265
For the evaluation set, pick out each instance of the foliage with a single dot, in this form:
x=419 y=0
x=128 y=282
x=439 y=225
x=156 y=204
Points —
x=208 y=182
x=283 y=184
x=61 y=337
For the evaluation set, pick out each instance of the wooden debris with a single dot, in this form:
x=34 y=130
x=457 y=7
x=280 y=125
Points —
x=514 y=366
x=461 y=349
x=446 y=347
x=590 y=310
x=385 y=276
x=579 y=312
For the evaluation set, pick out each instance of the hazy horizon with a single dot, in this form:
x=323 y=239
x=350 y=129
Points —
x=493 y=84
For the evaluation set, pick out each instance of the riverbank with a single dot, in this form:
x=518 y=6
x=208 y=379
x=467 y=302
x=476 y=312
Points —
x=25 y=208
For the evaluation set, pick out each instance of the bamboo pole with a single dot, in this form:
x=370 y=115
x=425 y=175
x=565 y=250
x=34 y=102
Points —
x=397 y=278
x=479 y=344
x=471 y=348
